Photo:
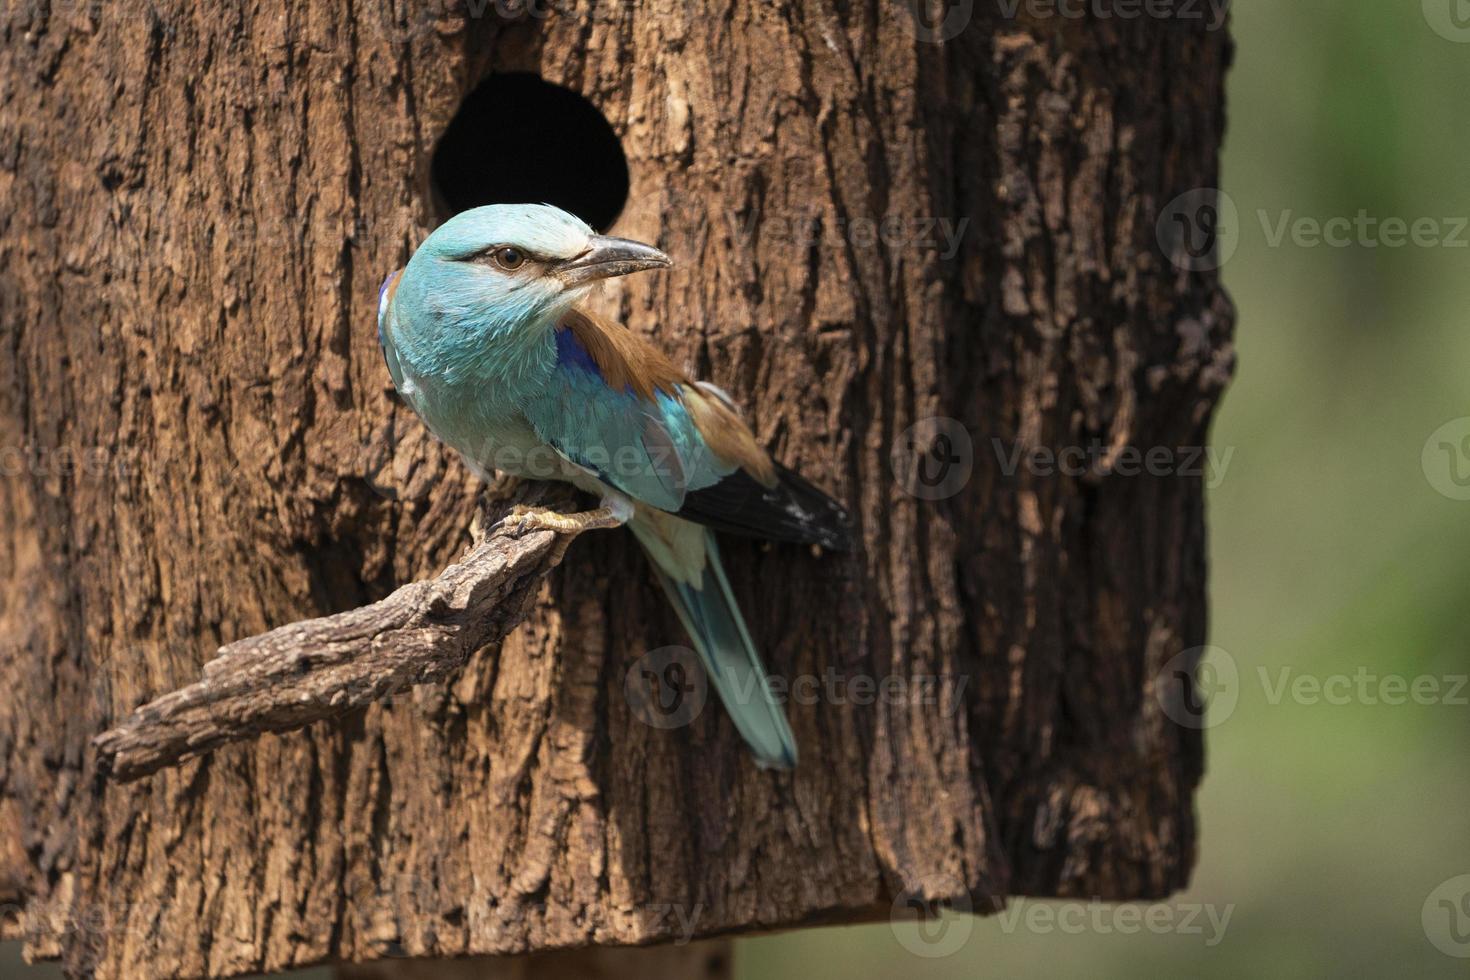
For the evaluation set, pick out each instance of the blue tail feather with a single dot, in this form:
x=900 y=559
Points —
x=709 y=613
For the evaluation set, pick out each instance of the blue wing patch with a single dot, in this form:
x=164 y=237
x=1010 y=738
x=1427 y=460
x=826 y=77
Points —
x=571 y=353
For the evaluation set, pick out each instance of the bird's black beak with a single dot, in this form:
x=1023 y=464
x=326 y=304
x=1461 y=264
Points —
x=607 y=257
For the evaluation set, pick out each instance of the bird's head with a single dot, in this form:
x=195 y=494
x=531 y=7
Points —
x=499 y=270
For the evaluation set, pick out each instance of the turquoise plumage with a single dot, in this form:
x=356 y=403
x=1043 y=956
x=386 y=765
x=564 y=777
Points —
x=484 y=338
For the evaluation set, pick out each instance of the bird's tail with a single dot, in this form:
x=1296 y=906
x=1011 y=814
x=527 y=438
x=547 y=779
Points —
x=694 y=580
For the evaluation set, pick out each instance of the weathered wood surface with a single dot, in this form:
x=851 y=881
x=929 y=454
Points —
x=321 y=669
x=201 y=445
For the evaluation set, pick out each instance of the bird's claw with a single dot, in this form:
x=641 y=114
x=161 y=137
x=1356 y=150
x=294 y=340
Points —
x=526 y=518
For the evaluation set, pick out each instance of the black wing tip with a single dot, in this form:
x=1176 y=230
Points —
x=838 y=539
x=825 y=521
x=792 y=510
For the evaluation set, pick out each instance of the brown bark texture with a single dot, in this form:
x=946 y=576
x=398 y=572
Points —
x=320 y=669
x=201 y=444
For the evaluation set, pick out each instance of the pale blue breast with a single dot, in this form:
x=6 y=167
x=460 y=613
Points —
x=475 y=407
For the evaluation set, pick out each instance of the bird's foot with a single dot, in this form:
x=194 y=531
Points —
x=616 y=510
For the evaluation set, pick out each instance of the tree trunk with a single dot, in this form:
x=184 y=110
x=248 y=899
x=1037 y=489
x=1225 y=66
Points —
x=201 y=443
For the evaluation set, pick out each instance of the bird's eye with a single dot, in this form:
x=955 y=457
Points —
x=508 y=257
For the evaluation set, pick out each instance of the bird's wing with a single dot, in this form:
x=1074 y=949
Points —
x=616 y=414
x=622 y=410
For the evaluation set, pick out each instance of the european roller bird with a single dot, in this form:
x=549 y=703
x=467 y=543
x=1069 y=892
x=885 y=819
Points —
x=486 y=340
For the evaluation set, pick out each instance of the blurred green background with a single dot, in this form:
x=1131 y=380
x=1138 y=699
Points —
x=1325 y=827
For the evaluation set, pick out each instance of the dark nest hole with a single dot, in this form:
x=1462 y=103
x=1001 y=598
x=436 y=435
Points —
x=518 y=139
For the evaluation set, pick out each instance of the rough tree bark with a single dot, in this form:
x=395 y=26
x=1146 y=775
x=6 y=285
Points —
x=198 y=428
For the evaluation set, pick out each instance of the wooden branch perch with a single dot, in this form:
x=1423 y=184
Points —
x=324 y=668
